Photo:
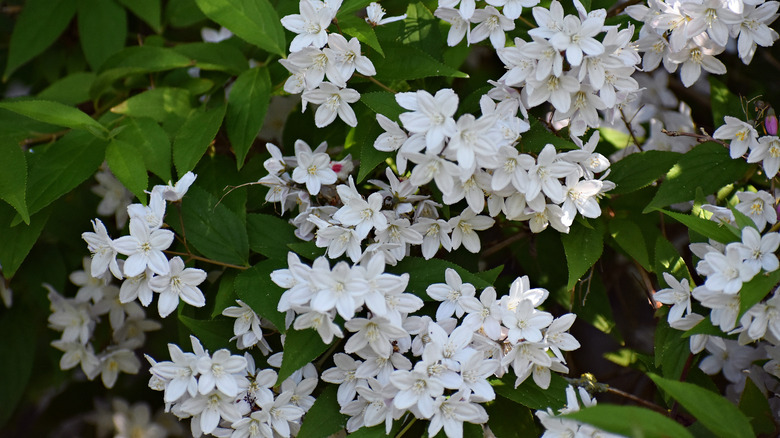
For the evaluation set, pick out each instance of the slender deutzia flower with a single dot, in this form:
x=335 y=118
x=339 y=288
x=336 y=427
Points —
x=310 y=25
x=144 y=247
x=178 y=283
x=332 y=102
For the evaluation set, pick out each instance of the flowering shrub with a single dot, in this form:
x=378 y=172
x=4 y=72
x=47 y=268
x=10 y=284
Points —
x=434 y=218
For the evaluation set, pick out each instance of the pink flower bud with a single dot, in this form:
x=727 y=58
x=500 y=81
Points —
x=770 y=123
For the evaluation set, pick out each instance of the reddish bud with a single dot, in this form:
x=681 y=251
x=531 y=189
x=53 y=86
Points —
x=770 y=123
x=337 y=167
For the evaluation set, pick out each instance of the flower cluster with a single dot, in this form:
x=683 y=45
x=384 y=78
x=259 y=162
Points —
x=225 y=395
x=689 y=34
x=559 y=427
x=146 y=268
x=316 y=55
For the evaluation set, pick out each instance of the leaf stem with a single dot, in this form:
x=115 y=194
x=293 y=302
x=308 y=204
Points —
x=204 y=259
x=406 y=428
x=371 y=78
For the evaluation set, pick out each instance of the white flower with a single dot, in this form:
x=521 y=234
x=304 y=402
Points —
x=435 y=233
x=178 y=283
x=450 y=294
x=484 y=313
x=313 y=168
x=211 y=408
x=175 y=192
x=416 y=389
x=145 y=248
x=459 y=25
x=393 y=137
x=364 y=215
x=218 y=371
x=576 y=37
x=344 y=58
x=117 y=360
x=759 y=251
x=742 y=136
x=310 y=25
x=375 y=15
x=375 y=333
x=343 y=374
x=698 y=54
x=431 y=115
x=492 y=24
x=757 y=206
x=450 y=413
x=754 y=30
x=526 y=323
x=332 y=101
x=678 y=295
x=513 y=8
x=767 y=150
x=729 y=271
x=103 y=252
x=464 y=229
x=282 y=413
x=555 y=89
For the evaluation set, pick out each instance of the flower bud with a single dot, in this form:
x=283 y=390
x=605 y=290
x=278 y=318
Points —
x=770 y=123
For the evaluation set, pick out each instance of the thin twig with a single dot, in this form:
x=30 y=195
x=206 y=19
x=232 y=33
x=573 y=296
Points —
x=43 y=138
x=628 y=127
x=503 y=244
x=703 y=137
x=636 y=399
x=406 y=428
x=371 y=78
x=204 y=259
x=650 y=290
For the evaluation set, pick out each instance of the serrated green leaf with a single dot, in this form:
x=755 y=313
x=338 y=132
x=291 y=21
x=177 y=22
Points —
x=148 y=10
x=247 y=105
x=630 y=421
x=215 y=56
x=269 y=235
x=715 y=412
x=723 y=102
x=183 y=13
x=742 y=220
x=358 y=28
x=157 y=104
x=538 y=137
x=755 y=406
x=13 y=177
x=213 y=229
x=382 y=102
x=671 y=349
x=153 y=143
x=508 y=420
x=14 y=374
x=706 y=228
x=708 y=166
x=324 y=418
x=423 y=273
x=61 y=167
x=127 y=164
x=755 y=290
x=668 y=260
x=529 y=394
x=213 y=334
x=254 y=21
x=630 y=238
x=300 y=348
x=307 y=250
x=70 y=90
x=590 y=303
x=136 y=60
x=639 y=170
x=195 y=136
x=55 y=113
x=18 y=240
x=350 y=6
x=421 y=29
x=424 y=65
x=102 y=30
x=491 y=275
x=255 y=288
x=226 y=293
x=39 y=25
x=583 y=247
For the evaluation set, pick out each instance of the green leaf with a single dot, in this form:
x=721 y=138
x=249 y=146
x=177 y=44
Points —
x=715 y=412
x=226 y=293
x=13 y=177
x=630 y=421
x=324 y=418
x=672 y=349
x=706 y=228
x=756 y=406
x=300 y=348
x=704 y=327
x=424 y=65
x=255 y=288
x=153 y=143
x=667 y=259
x=529 y=394
x=423 y=273
x=723 y=102
x=183 y=13
x=590 y=302
x=742 y=220
x=630 y=238
x=583 y=247
x=127 y=164
x=255 y=21
x=755 y=290
x=421 y=29
x=61 y=167
x=18 y=240
x=492 y=275
x=39 y=25
x=358 y=28
x=70 y=90
x=213 y=229
x=102 y=30
x=350 y=6
x=215 y=56
x=708 y=166
x=137 y=60
x=508 y=420
x=55 y=113
x=195 y=136
x=538 y=137
x=148 y=10
x=366 y=134
x=307 y=250
x=269 y=235
x=247 y=105
x=214 y=334
x=16 y=369
x=639 y=170
x=382 y=102
x=157 y=104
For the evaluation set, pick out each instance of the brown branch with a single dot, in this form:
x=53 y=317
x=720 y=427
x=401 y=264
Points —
x=701 y=138
x=204 y=259
x=43 y=138
x=371 y=78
